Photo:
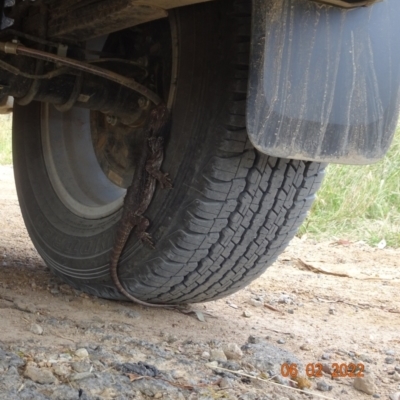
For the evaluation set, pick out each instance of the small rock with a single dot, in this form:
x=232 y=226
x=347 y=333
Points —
x=305 y=347
x=285 y=299
x=232 y=351
x=323 y=386
x=65 y=357
x=281 y=341
x=61 y=370
x=36 y=329
x=253 y=339
x=218 y=355
x=327 y=368
x=389 y=360
x=205 y=355
x=82 y=353
x=256 y=303
x=178 y=374
x=396 y=377
x=390 y=352
x=290 y=311
x=80 y=366
x=376 y=396
x=171 y=339
x=158 y=395
x=40 y=375
x=326 y=356
x=395 y=396
x=332 y=310
x=212 y=364
x=365 y=384
x=247 y=314
x=365 y=358
x=225 y=383
x=79 y=376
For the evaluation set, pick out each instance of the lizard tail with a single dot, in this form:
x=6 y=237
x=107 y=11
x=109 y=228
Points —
x=124 y=229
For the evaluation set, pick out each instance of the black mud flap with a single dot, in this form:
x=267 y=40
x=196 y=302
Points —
x=324 y=82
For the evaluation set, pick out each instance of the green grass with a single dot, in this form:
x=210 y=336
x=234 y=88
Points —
x=5 y=140
x=359 y=202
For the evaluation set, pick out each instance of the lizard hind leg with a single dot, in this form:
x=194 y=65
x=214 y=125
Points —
x=142 y=224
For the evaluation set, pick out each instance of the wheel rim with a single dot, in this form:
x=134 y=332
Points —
x=72 y=164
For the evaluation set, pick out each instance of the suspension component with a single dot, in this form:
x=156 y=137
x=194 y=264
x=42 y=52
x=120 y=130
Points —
x=18 y=49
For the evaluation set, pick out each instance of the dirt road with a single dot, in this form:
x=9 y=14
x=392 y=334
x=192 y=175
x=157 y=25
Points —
x=335 y=302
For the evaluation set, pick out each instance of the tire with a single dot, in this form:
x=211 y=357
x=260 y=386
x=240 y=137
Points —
x=232 y=210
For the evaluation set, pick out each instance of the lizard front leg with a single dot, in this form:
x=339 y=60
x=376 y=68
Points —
x=153 y=164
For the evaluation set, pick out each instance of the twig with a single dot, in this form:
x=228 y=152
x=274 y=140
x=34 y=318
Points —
x=309 y=267
x=276 y=331
x=274 y=383
x=316 y=270
x=62 y=337
x=272 y=308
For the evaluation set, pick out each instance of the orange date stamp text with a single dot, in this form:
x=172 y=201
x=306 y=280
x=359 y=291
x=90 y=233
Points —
x=315 y=370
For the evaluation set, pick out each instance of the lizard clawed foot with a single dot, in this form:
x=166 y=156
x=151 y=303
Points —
x=165 y=181
x=146 y=239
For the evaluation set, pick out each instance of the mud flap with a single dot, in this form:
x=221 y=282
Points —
x=324 y=82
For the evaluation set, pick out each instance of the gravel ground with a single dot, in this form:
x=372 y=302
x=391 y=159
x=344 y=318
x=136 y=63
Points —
x=320 y=303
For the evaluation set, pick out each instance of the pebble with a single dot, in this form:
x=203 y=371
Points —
x=390 y=352
x=225 y=383
x=305 y=347
x=171 y=339
x=218 y=355
x=395 y=396
x=290 y=311
x=281 y=341
x=365 y=384
x=232 y=351
x=61 y=370
x=36 y=329
x=323 y=386
x=256 y=303
x=389 y=360
x=82 y=353
x=80 y=366
x=326 y=356
x=397 y=368
x=253 y=339
x=158 y=395
x=178 y=374
x=285 y=299
x=376 y=396
x=205 y=355
x=327 y=368
x=40 y=375
x=396 y=377
x=79 y=376
x=212 y=364
x=247 y=314
x=365 y=358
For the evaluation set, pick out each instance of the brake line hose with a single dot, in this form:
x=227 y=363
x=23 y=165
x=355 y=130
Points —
x=18 y=49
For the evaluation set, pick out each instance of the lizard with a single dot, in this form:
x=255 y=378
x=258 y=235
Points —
x=139 y=195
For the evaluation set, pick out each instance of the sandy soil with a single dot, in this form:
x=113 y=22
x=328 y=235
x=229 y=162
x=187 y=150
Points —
x=357 y=312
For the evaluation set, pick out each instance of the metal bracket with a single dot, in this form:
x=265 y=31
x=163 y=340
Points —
x=349 y=4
